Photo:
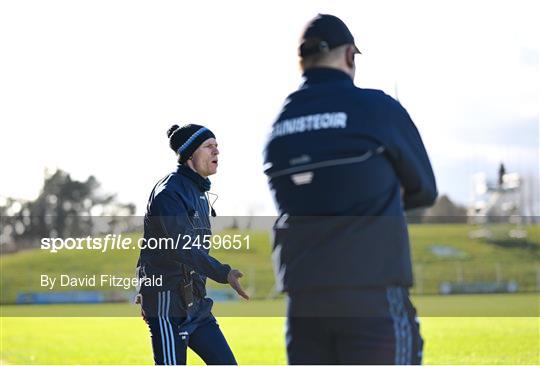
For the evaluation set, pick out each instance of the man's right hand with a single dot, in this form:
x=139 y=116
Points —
x=233 y=279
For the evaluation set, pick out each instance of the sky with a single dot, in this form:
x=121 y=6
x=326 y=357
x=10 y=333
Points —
x=91 y=87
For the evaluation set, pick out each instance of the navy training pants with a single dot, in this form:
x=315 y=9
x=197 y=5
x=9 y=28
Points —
x=171 y=336
x=375 y=326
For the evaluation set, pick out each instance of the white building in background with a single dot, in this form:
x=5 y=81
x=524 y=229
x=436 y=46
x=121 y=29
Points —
x=511 y=199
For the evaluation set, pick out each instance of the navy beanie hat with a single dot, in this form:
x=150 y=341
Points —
x=186 y=139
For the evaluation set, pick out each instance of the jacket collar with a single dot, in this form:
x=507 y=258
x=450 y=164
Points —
x=324 y=75
x=202 y=183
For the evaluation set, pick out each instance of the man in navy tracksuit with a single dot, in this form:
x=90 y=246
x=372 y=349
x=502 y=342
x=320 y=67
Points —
x=177 y=310
x=343 y=164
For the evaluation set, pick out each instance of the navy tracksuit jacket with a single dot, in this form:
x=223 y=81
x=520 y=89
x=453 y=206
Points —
x=337 y=161
x=178 y=312
x=340 y=151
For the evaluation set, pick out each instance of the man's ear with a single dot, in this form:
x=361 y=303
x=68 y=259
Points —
x=349 y=54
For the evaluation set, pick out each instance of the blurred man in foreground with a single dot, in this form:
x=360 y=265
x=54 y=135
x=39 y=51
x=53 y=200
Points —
x=343 y=164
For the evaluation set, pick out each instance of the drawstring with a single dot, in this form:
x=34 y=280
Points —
x=212 y=211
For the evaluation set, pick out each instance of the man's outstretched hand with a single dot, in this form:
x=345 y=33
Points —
x=233 y=279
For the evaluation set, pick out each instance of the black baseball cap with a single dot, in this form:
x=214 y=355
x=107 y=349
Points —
x=323 y=33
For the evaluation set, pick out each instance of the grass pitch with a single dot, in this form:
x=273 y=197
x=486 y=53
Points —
x=254 y=341
x=125 y=340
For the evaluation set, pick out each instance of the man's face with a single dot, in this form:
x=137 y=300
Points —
x=205 y=159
